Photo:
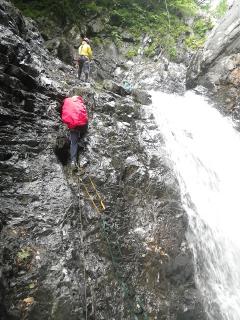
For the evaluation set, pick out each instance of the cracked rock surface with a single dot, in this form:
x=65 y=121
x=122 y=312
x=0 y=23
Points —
x=61 y=255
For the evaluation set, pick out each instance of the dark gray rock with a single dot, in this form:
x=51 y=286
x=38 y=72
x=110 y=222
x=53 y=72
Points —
x=12 y=19
x=52 y=45
x=65 y=52
x=96 y=26
x=181 y=269
x=114 y=87
x=141 y=96
x=127 y=36
x=106 y=59
x=60 y=258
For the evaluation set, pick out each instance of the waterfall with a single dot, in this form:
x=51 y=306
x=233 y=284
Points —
x=204 y=149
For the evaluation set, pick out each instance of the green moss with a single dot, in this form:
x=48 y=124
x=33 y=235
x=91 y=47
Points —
x=132 y=53
x=200 y=29
x=202 y=26
x=150 y=51
x=97 y=41
x=221 y=9
x=116 y=36
x=194 y=42
x=24 y=256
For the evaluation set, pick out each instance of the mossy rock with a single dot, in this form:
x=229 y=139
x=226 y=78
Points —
x=24 y=257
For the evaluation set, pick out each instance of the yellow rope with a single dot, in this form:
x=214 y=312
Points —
x=90 y=197
x=97 y=193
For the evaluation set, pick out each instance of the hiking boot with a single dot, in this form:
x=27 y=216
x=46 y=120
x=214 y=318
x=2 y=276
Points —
x=73 y=165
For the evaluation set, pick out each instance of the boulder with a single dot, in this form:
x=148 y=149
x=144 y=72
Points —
x=141 y=96
x=96 y=26
x=128 y=65
x=114 y=87
x=80 y=90
x=52 y=45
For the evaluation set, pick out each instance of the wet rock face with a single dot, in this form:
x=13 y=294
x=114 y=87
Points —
x=159 y=75
x=61 y=255
x=216 y=67
x=35 y=195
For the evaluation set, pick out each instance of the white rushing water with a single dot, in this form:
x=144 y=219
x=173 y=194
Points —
x=204 y=149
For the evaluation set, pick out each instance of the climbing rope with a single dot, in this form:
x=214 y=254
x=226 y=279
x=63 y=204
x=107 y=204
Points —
x=91 y=190
x=98 y=204
x=83 y=252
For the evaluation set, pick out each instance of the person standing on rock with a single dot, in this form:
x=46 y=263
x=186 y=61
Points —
x=85 y=55
x=74 y=115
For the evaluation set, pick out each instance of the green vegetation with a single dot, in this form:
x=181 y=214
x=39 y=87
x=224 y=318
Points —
x=24 y=254
x=194 y=43
x=24 y=257
x=221 y=9
x=161 y=20
x=132 y=53
x=200 y=28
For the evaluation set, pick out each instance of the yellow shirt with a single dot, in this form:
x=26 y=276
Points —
x=85 y=50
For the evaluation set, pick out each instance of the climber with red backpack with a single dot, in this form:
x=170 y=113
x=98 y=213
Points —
x=74 y=115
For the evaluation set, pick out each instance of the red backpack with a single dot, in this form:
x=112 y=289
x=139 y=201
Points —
x=74 y=112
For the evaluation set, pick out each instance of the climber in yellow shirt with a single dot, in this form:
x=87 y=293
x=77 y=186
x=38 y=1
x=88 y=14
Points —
x=85 y=55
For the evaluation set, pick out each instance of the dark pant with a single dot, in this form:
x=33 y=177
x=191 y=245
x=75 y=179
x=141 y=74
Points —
x=75 y=136
x=84 y=66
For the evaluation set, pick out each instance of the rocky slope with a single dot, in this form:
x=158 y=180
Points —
x=217 y=66
x=60 y=258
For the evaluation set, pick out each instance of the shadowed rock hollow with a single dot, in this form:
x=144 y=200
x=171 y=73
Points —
x=60 y=259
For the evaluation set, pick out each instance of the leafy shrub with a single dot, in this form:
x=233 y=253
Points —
x=202 y=26
x=132 y=53
x=194 y=43
x=221 y=9
x=186 y=7
x=161 y=20
x=200 y=29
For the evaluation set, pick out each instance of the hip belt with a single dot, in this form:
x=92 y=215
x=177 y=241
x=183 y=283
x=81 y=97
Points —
x=82 y=56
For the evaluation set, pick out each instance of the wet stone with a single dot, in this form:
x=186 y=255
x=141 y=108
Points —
x=112 y=229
